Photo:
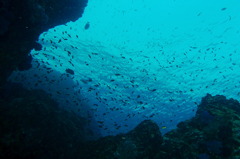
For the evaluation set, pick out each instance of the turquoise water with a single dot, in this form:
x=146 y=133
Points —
x=133 y=60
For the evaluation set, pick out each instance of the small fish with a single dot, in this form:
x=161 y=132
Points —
x=70 y=71
x=100 y=122
x=87 y=25
x=223 y=9
x=199 y=14
x=153 y=90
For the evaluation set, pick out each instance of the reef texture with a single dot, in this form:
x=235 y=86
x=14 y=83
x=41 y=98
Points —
x=214 y=133
x=143 y=141
x=21 y=22
x=32 y=126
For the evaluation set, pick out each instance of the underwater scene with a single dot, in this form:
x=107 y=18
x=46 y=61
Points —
x=120 y=79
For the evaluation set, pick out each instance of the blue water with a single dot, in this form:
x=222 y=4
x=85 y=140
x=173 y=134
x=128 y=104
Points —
x=126 y=61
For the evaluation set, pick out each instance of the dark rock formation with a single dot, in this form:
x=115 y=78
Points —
x=142 y=142
x=32 y=126
x=21 y=22
x=212 y=134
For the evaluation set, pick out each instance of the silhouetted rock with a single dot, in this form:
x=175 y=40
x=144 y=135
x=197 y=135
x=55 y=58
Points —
x=21 y=22
x=33 y=126
x=212 y=133
x=143 y=141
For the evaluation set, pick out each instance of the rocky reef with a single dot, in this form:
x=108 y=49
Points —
x=212 y=134
x=21 y=22
x=33 y=126
x=143 y=141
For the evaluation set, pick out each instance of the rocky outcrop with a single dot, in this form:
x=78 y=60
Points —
x=143 y=141
x=212 y=134
x=32 y=126
x=21 y=22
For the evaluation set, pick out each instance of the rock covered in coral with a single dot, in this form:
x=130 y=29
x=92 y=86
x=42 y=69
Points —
x=212 y=133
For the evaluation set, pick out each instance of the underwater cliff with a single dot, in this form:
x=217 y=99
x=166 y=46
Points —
x=21 y=23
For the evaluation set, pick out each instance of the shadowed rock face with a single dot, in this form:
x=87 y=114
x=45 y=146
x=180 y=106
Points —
x=21 y=22
x=212 y=133
x=32 y=126
x=143 y=141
